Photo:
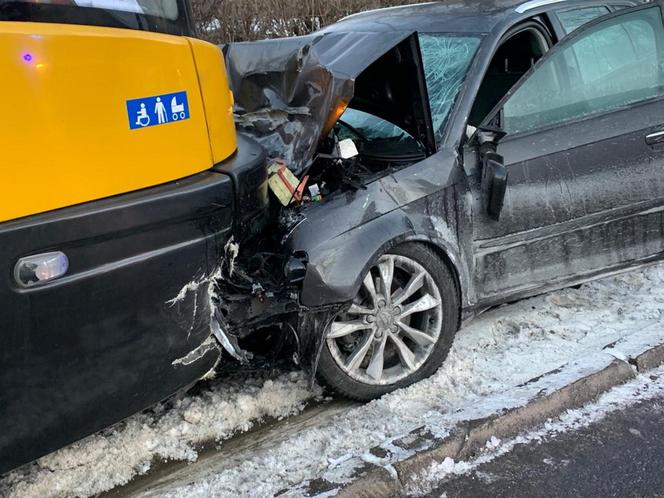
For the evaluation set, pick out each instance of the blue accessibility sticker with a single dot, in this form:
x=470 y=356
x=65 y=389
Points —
x=157 y=110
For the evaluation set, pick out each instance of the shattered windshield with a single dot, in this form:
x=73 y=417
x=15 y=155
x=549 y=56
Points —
x=446 y=61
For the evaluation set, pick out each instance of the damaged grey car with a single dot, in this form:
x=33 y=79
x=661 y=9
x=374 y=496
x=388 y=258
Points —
x=430 y=162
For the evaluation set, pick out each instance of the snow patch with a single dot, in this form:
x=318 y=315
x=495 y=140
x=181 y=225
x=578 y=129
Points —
x=491 y=367
x=643 y=388
x=170 y=431
x=381 y=462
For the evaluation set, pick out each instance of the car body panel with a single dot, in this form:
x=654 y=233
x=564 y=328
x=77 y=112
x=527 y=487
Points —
x=345 y=234
x=130 y=323
x=141 y=214
x=287 y=89
x=588 y=197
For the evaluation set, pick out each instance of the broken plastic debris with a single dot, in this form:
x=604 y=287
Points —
x=284 y=184
x=227 y=342
x=348 y=149
x=197 y=354
x=314 y=193
x=232 y=250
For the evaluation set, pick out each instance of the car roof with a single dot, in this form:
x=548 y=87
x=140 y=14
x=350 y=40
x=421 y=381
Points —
x=456 y=16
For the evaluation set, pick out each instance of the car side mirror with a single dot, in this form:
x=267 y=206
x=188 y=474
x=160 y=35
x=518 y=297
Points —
x=494 y=183
x=494 y=172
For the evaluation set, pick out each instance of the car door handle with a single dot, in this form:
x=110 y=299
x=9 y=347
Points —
x=655 y=138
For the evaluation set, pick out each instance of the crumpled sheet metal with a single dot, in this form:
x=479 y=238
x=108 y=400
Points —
x=286 y=89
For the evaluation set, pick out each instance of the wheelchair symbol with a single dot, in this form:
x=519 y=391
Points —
x=177 y=109
x=142 y=118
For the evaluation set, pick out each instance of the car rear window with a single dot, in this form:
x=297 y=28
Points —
x=165 y=16
x=574 y=19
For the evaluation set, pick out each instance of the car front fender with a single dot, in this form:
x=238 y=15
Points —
x=344 y=236
x=336 y=268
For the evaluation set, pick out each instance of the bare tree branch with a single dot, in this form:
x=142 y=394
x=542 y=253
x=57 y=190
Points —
x=223 y=21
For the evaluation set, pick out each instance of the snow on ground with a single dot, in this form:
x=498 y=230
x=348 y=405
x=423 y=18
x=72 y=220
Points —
x=643 y=388
x=169 y=431
x=503 y=349
x=490 y=362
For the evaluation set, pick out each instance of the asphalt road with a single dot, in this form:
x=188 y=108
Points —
x=620 y=456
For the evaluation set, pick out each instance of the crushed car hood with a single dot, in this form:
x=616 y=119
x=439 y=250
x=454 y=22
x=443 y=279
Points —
x=290 y=92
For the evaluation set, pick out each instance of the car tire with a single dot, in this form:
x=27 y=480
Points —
x=364 y=354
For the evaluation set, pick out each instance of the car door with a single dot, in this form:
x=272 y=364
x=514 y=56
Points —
x=584 y=151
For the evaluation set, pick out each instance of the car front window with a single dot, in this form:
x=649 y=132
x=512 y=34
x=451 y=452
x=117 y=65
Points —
x=612 y=65
x=446 y=61
x=574 y=19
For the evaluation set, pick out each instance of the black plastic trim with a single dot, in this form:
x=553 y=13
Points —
x=248 y=171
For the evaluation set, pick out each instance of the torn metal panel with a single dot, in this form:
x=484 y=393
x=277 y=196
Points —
x=197 y=354
x=188 y=299
x=218 y=326
x=287 y=89
x=312 y=327
x=249 y=299
x=228 y=342
x=205 y=291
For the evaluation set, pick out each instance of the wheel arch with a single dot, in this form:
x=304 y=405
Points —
x=444 y=255
x=337 y=267
x=333 y=368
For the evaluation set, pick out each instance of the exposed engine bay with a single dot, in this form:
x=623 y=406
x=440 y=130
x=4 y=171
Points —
x=319 y=146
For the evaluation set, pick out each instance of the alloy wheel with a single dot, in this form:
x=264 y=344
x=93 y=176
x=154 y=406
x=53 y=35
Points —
x=393 y=325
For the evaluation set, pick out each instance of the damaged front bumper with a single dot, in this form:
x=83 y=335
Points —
x=260 y=314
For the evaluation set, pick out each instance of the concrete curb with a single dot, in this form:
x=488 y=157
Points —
x=651 y=359
x=467 y=439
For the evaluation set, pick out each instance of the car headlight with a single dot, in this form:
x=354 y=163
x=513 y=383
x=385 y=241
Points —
x=295 y=268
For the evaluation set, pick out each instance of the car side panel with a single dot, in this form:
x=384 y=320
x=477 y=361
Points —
x=581 y=198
